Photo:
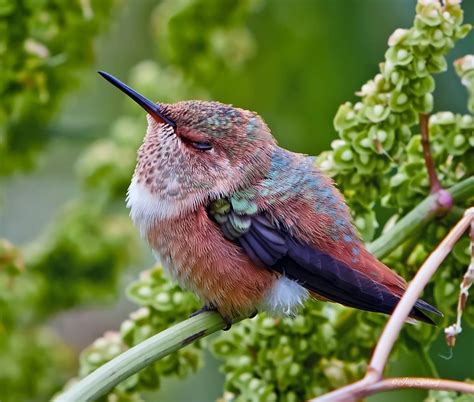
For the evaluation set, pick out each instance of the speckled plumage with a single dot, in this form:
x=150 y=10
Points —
x=247 y=224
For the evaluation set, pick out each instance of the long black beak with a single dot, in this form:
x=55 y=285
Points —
x=145 y=103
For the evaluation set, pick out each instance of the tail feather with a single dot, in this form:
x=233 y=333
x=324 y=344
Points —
x=397 y=286
x=420 y=310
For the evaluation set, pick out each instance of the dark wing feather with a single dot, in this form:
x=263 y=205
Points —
x=317 y=271
x=273 y=247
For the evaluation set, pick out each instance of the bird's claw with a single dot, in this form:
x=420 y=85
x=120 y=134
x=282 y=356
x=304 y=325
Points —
x=228 y=323
x=203 y=310
x=227 y=320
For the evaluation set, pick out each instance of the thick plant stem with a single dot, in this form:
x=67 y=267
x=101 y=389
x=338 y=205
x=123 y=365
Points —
x=417 y=217
x=102 y=380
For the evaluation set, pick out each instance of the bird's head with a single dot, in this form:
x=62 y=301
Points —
x=193 y=152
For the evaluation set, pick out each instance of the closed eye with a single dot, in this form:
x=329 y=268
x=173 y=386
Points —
x=201 y=145
x=194 y=139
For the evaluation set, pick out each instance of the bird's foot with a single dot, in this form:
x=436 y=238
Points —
x=211 y=307
x=203 y=310
x=228 y=323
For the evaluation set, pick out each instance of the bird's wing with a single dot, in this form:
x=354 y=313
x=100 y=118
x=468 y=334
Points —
x=272 y=247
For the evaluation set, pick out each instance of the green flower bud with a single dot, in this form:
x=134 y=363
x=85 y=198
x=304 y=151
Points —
x=398 y=37
x=463 y=31
x=409 y=117
x=365 y=164
x=423 y=104
x=437 y=64
x=362 y=144
x=399 y=102
x=399 y=56
x=466 y=122
x=457 y=143
x=422 y=85
x=419 y=67
x=127 y=329
x=397 y=179
x=345 y=117
x=442 y=118
x=376 y=113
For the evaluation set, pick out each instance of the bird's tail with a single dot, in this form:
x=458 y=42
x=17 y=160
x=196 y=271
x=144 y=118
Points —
x=370 y=286
x=421 y=309
x=397 y=285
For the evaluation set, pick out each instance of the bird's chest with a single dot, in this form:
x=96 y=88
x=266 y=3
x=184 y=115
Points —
x=195 y=253
x=185 y=247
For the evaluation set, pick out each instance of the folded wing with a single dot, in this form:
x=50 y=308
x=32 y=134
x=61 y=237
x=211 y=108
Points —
x=269 y=245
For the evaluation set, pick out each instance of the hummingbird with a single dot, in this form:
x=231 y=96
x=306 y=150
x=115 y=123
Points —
x=247 y=225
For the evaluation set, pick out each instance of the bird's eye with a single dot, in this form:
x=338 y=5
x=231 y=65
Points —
x=201 y=145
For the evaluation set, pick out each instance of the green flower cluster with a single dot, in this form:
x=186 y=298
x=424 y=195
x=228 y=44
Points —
x=77 y=260
x=265 y=358
x=452 y=146
x=375 y=131
x=162 y=305
x=293 y=359
x=42 y=45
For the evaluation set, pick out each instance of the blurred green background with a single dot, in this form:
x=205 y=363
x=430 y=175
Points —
x=303 y=59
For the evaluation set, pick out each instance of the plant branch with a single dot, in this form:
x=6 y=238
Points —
x=392 y=330
x=417 y=218
x=390 y=384
x=102 y=380
x=435 y=185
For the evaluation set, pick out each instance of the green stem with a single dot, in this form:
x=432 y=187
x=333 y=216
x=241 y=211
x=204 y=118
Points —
x=102 y=380
x=106 y=377
x=417 y=217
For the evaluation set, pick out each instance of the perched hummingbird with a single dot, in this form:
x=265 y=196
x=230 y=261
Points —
x=246 y=225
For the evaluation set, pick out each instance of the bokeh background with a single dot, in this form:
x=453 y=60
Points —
x=294 y=62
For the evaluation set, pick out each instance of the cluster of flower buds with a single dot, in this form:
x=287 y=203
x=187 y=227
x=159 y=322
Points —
x=375 y=131
x=292 y=359
x=452 y=146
